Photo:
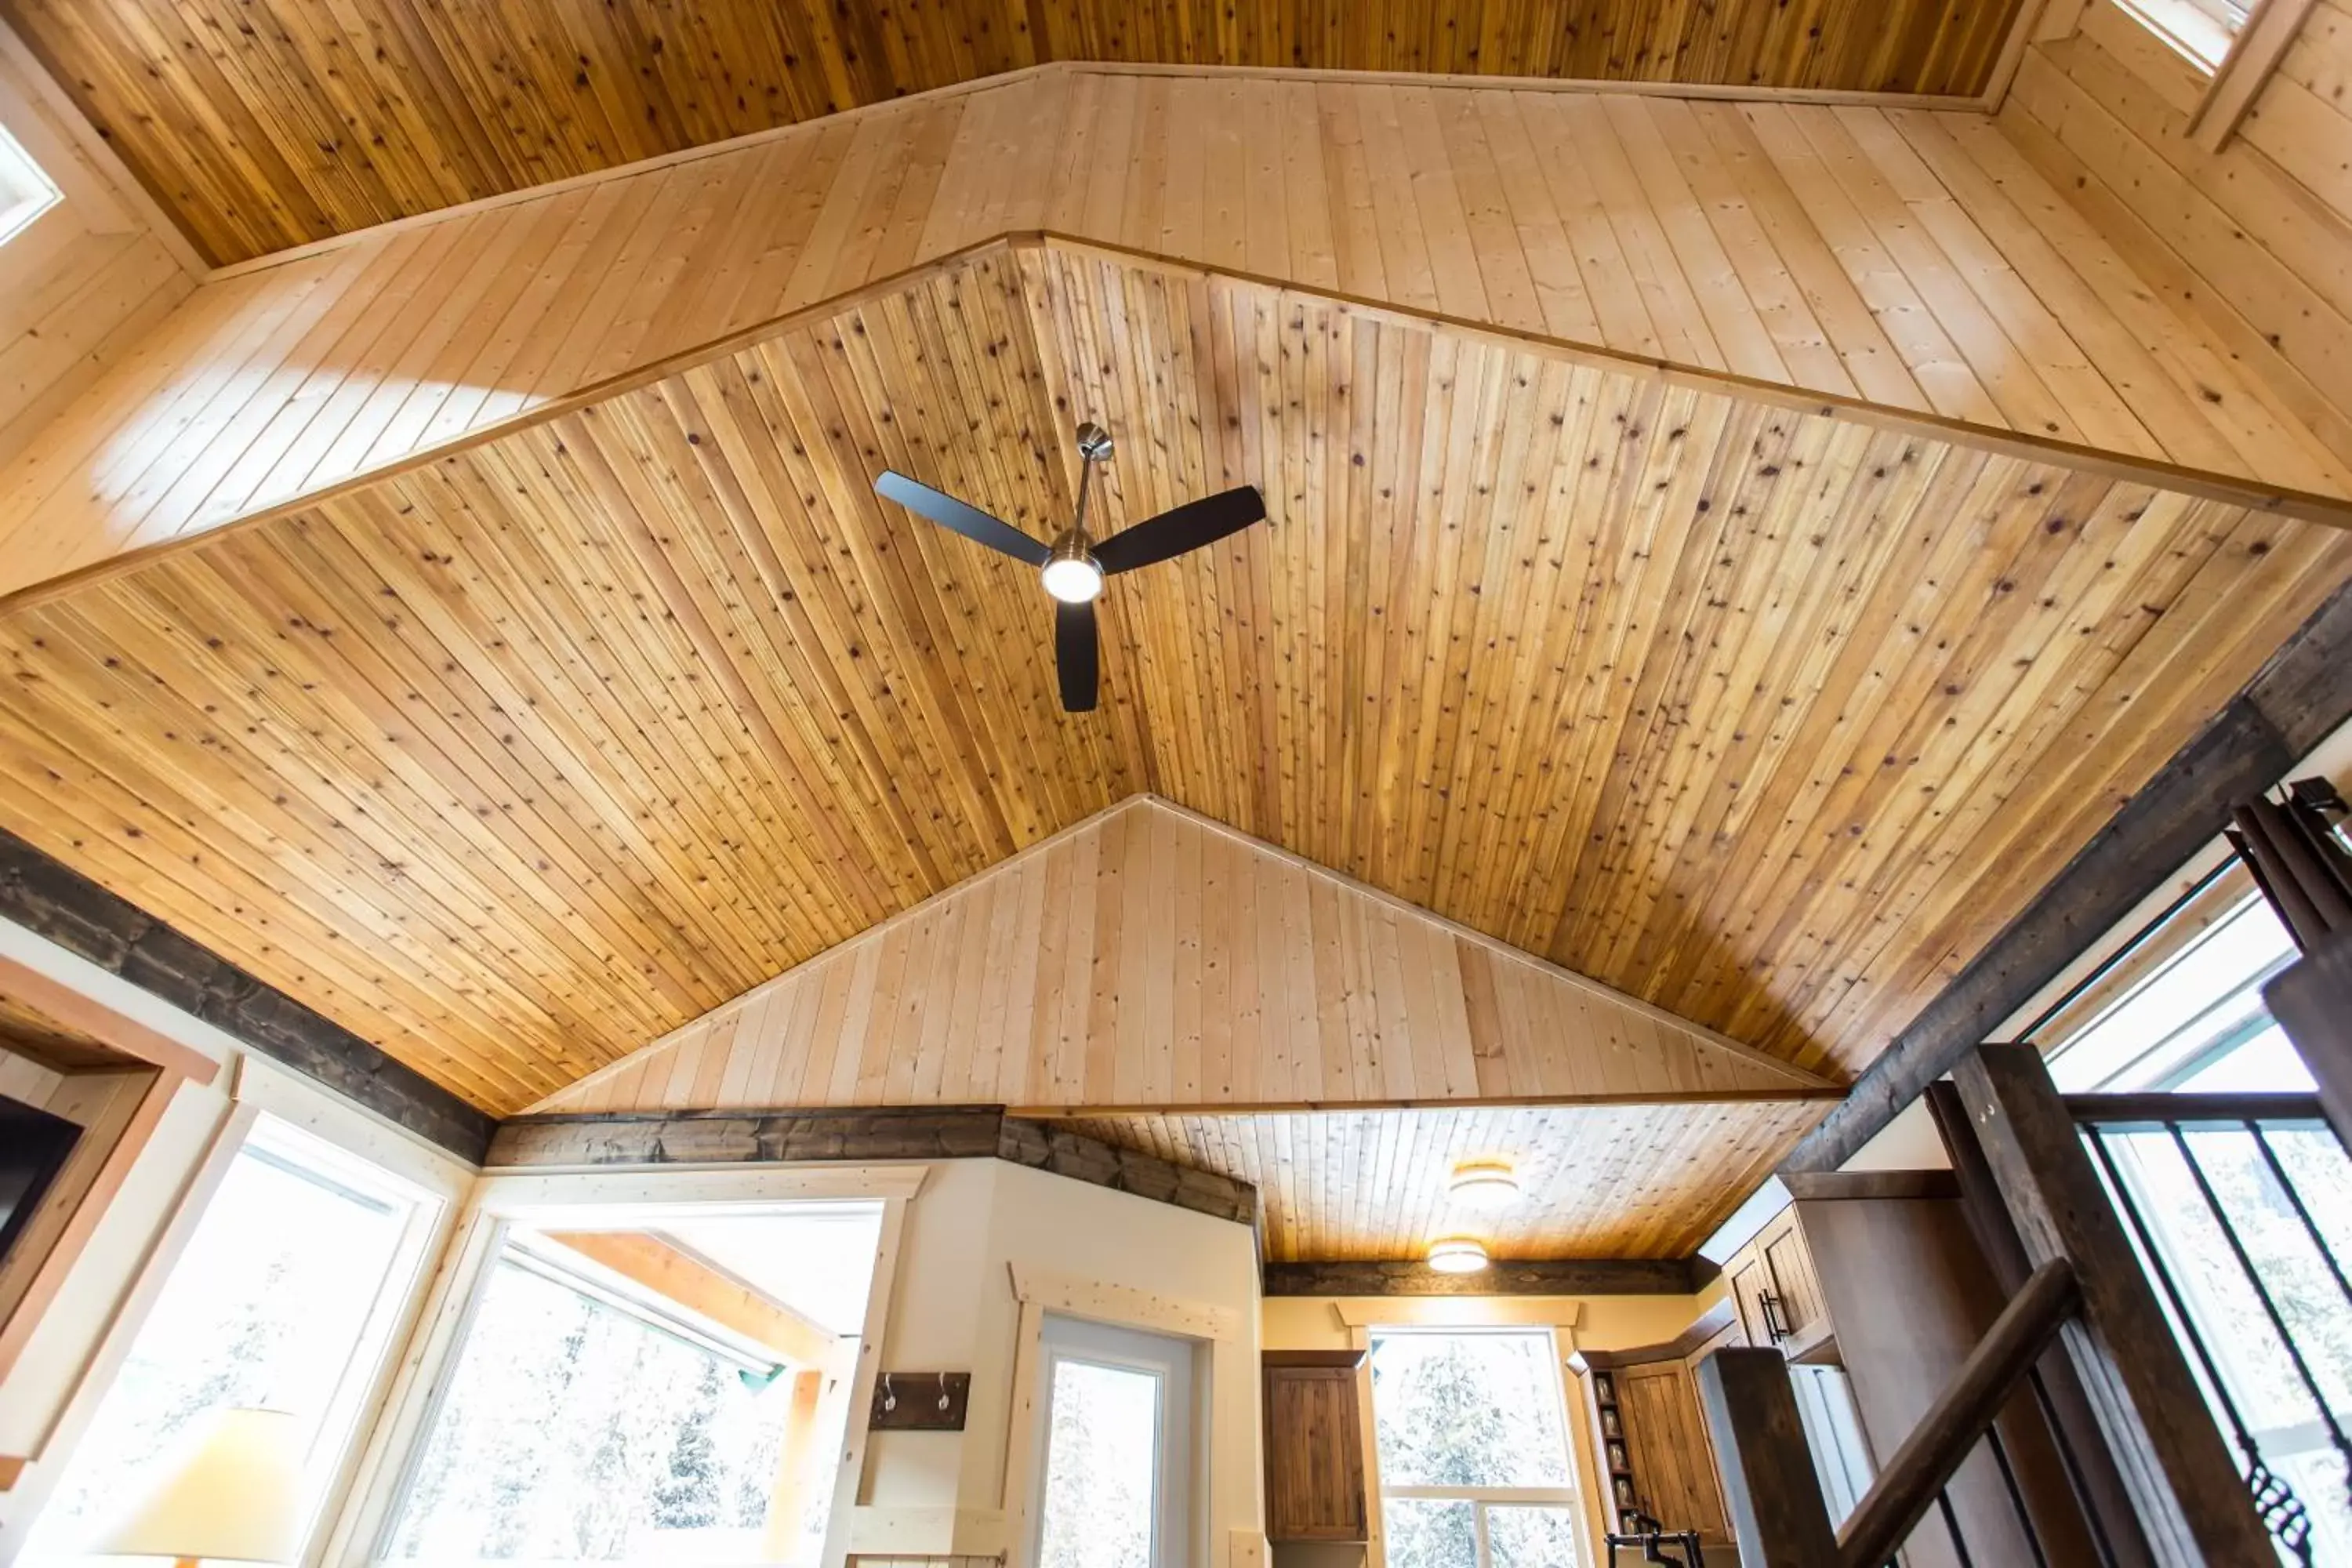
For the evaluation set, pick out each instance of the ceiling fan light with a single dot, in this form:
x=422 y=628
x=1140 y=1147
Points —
x=1486 y=1185
x=1071 y=576
x=1456 y=1254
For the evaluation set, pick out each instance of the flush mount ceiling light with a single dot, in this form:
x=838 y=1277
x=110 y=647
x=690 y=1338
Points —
x=1485 y=1184
x=1456 y=1254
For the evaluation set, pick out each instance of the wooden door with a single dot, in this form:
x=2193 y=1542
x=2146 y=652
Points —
x=1314 y=1455
x=1751 y=1283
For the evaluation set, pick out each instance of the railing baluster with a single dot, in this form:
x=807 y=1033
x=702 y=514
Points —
x=1952 y=1527
x=2016 y=1498
x=2263 y=1294
x=2069 y=1461
x=2293 y=1196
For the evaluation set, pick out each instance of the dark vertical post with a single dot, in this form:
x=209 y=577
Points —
x=2312 y=1001
x=1769 y=1481
x=2188 y=1491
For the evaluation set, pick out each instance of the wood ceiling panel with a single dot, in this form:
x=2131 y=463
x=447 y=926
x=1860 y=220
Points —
x=265 y=123
x=1767 y=716
x=1632 y=1181
x=30 y=1032
x=1149 y=957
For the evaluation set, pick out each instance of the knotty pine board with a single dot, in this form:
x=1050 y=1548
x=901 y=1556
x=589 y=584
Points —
x=1150 y=958
x=265 y=123
x=525 y=758
x=1619 y=1181
x=2254 y=241
x=1904 y=257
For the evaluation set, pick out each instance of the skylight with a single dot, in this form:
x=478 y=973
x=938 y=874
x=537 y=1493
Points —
x=26 y=193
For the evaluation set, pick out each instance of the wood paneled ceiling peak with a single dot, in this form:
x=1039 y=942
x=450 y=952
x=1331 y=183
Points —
x=261 y=124
x=1766 y=716
x=1148 y=957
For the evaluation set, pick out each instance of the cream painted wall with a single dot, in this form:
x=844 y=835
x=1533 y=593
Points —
x=953 y=1309
x=1585 y=1322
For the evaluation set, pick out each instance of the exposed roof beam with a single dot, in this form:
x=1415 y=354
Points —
x=1548 y=1276
x=2297 y=699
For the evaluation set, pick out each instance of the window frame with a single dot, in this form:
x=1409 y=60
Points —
x=434 y=1181
x=1570 y=1495
x=503 y=1201
x=1176 y=1364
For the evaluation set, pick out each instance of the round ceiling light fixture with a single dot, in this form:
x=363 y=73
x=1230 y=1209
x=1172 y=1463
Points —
x=1457 y=1255
x=1071 y=574
x=1486 y=1185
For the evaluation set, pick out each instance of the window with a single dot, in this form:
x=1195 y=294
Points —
x=671 y=1390
x=285 y=1298
x=1116 y=1486
x=1472 y=1433
x=2200 y=29
x=26 y=193
x=2195 y=1023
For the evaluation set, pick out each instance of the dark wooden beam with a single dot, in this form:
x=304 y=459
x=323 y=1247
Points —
x=1817 y=1186
x=2296 y=699
x=1548 y=1277
x=60 y=904
x=1045 y=1146
x=748 y=1137
x=863 y=1134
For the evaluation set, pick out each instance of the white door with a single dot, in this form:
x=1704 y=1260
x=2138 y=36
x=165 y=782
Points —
x=1116 y=1481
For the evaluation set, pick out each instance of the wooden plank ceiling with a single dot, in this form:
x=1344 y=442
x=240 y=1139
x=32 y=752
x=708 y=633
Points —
x=516 y=760
x=27 y=1031
x=1595 y=1180
x=1907 y=257
x=265 y=123
x=1149 y=957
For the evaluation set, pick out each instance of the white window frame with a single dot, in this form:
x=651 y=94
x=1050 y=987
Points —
x=504 y=1201
x=1483 y=1500
x=1178 y=1527
x=434 y=1180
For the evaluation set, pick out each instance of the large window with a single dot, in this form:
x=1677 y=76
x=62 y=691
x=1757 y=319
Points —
x=285 y=1298
x=2200 y=29
x=658 y=1391
x=1473 y=1442
x=2195 y=1023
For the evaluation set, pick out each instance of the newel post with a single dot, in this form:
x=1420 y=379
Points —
x=2182 y=1481
x=1768 y=1480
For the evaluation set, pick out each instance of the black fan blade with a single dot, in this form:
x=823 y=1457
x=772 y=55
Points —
x=1188 y=527
x=952 y=514
x=1077 y=654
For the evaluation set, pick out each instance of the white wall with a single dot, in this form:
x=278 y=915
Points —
x=953 y=1309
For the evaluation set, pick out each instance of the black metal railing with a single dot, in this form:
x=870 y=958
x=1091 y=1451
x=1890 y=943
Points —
x=2223 y=1197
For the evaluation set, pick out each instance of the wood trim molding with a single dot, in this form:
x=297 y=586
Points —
x=1703 y=1328
x=103 y=1024
x=65 y=1249
x=2240 y=78
x=1124 y=1305
x=1824 y=1186
x=2294 y=702
x=54 y=902
x=1548 y=1277
x=862 y=1134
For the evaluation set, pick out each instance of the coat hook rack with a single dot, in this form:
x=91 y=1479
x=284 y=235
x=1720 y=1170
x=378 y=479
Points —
x=920 y=1402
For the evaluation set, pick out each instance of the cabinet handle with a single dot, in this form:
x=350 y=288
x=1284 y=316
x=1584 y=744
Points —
x=1776 y=1323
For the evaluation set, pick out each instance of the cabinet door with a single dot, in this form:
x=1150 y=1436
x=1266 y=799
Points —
x=1750 y=1282
x=1314 y=1456
x=1790 y=1265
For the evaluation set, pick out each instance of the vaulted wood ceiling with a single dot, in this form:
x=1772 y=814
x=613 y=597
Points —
x=264 y=123
x=1770 y=717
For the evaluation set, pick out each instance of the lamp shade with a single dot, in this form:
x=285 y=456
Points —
x=235 y=1495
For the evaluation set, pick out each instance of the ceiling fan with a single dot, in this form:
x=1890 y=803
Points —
x=1074 y=567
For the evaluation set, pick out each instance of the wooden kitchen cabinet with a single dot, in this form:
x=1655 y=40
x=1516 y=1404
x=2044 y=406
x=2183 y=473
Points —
x=1773 y=1288
x=1314 y=1446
